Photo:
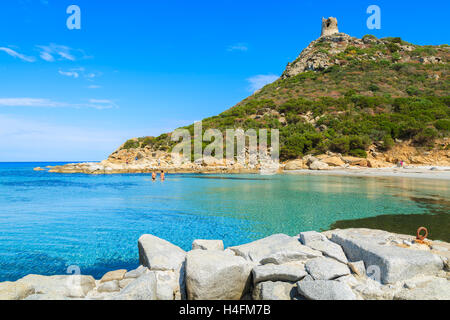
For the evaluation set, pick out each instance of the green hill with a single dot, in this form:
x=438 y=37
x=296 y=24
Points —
x=343 y=94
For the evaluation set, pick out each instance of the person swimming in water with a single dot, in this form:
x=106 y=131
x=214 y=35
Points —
x=163 y=175
x=153 y=176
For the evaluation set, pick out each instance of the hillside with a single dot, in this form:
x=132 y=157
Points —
x=346 y=101
x=344 y=94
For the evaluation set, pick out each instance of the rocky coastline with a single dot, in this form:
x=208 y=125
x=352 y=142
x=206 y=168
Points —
x=341 y=264
x=147 y=160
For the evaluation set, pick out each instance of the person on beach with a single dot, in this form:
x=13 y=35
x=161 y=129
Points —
x=153 y=176
x=163 y=175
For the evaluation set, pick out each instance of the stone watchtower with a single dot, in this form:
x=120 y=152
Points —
x=329 y=26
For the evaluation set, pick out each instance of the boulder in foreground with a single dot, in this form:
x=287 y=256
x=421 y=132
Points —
x=216 y=275
x=159 y=254
x=393 y=263
x=278 y=248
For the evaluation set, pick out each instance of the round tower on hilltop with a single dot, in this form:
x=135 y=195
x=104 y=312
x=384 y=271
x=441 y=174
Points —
x=329 y=26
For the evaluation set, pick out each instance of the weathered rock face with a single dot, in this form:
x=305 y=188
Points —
x=208 y=245
x=143 y=288
x=325 y=290
x=271 y=290
x=277 y=249
x=310 y=236
x=329 y=26
x=15 y=290
x=326 y=268
x=393 y=263
x=329 y=249
x=114 y=275
x=110 y=286
x=297 y=164
x=63 y=286
x=284 y=272
x=318 y=165
x=159 y=254
x=168 y=285
x=133 y=274
x=358 y=268
x=215 y=275
x=426 y=288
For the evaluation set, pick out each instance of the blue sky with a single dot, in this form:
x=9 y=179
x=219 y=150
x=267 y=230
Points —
x=140 y=68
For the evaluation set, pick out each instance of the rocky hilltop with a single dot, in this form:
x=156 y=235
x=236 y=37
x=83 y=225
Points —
x=351 y=264
x=367 y=102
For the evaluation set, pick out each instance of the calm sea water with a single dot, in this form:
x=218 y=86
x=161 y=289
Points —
x=51 y=221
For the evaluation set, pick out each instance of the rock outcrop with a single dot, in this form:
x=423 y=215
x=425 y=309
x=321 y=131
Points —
x=382 y=266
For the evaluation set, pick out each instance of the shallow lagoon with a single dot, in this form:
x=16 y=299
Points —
x=51 y=221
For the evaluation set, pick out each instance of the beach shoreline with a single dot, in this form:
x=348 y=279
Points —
x=419 y=172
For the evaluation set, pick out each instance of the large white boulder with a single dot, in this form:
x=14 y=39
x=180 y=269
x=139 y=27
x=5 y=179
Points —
x=159 y=254
x=325 y=290
x=207 y=245
x=216 y=275
x=326 y=268
x=168 y=285
x=71 y=286
x=274 y=290
x=143 y=288
x=15 y=290
x=283 y=272
x=389 y=262
x=277 y=249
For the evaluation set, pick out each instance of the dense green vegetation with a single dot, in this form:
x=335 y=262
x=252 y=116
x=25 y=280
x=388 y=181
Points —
x=348 y=107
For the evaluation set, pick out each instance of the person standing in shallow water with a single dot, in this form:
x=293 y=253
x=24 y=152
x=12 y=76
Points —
x=153 y=176
x=163 y=175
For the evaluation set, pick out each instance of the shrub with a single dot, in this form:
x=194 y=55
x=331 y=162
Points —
x=340 y=144
x=131 y=144
x=388 y=142
x=358 y=153
x=374 y=88
x=426 y=137
x=412 y=91
x=369 y=36
x=442 y=124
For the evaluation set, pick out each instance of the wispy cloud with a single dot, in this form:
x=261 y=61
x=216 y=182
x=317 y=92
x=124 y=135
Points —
x=259 y=81
x=53 y=52
x=238 y=47
x=79 y=73
x=73 y=74
x=99 y=104
x=16 y=54
x=94 y=86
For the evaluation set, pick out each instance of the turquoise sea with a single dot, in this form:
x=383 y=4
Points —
x=51 y=221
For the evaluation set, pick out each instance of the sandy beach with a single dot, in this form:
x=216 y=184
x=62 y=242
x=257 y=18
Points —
x=419 y=172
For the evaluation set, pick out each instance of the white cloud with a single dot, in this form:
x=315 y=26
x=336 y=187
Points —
x=47 y=56
x=48 y=103
x=238 y=47
x=93 y=86
x=79 y=72
x=259 y=81
x=54 y=52
x=69 y=73
x=15 y=54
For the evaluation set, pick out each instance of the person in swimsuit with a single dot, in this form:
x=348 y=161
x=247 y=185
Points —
x=163 y=176
x=153 y=176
